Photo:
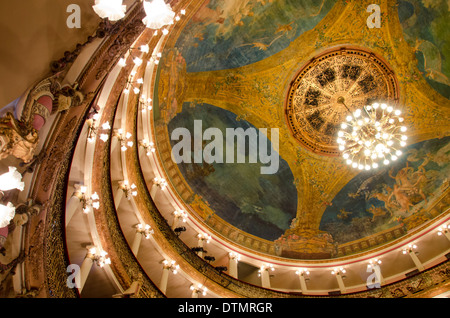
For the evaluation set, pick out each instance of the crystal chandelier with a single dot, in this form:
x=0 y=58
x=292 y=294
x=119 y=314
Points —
x=110 y=9
x=371 y=136
x=158 y=14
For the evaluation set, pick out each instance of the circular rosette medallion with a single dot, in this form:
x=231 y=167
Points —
x=328 y=88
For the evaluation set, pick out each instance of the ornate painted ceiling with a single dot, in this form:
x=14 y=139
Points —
x=286 y=71
x=281 y=64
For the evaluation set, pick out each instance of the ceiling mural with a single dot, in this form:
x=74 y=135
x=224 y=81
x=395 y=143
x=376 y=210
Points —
x=235 y=63
x=233 y=33
x=396 y=196
x=425 y=25
x=260 y=204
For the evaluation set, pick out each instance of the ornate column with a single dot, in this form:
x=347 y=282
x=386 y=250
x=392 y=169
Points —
x=93 y=255
x=202 y=239
x=233 y=259
x=177 y=217
x=339 y=276
x=301 y=275
x=72 y=205
x=264 y=273
x=157 y=183
x=141 y=230
x=410 y=250
x=167 y=267
x=124 y=189
x=79 y=197
x=86 y=267
x=444 y=230
x=374 y=265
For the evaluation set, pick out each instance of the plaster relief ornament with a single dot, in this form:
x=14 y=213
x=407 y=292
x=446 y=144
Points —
x=17 y=139
x=68 y=97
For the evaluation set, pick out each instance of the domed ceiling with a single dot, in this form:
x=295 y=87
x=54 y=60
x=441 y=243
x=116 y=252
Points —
x=280 y=69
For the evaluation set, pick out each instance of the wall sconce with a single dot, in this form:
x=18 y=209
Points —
x=180 y=215
x=409 y=249
x=172 y=265
x=161 y=182
x=302 y=272
x=123 y=139
x=93 y=129
x=338 y=271
x=234 y=256
x=148 y=146
x=129 y=85
x=198 y=289
x=155 y=58
x=204 y=237
x=99 y=256
x=87 y=202
x=145 y=229
x=373 y=263
x=267 y=267
x=127 y=189
x=443 y=229
x=136 y=59
x=145 y=103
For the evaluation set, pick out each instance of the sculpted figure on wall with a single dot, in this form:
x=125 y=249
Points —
x=17 y=139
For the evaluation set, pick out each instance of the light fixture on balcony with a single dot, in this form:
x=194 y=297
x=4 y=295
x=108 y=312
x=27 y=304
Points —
x=88 y=202
x=198 y=289
x=123 y=139
x=372 y=136
x=302 y=271
x=129 y=190
x=148 y=146
x=171 y=265
x=373 y=263
x=145 y=103
x=338 y=271
x=409 y=249
x=94 y=130
x=155 y=58
x=158 y=14
x=99 y=256
x=204 y=237
x=180 y=215
x=443 y=229
x=161 y=182
x=130 y=84
x=265 y=267
x=145 y=229
x=112 y=10
x=234 y=256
